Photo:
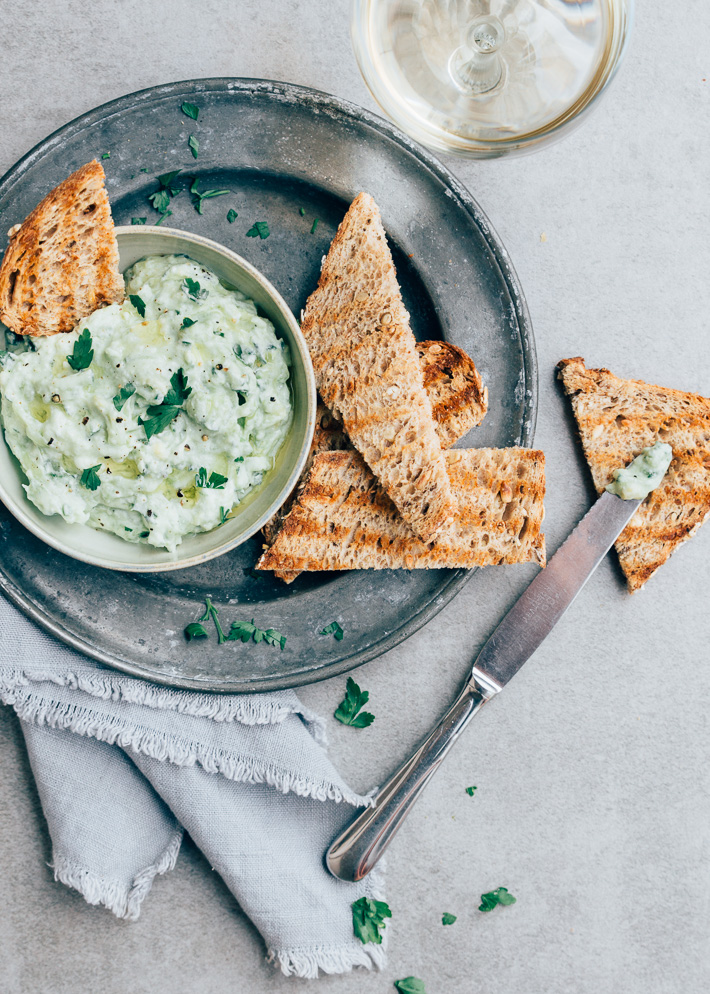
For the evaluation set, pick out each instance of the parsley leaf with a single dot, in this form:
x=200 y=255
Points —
x=212 y=612
x=447 y=918
x=215 y=482
x=187 y=323
x=224 y=515
x=244 y=631
x=259 y=229
x=193 y=289
x=349 y=710
x=160 y=200
x=495 y=897
x=302 y=211
x=162 y=218
x=194 y=146
x=410 y=985
x=82 y=353
x=162 y=414
x=232 y=216
x=138 y=220
x=122 y=396
x=90 y=478
x=192 y=110
x=199 y=197
x=470 y=791
x=106 y=155
x=335 y=630
x=314 y=226
x=166 y=181
x=195 y=631
x=369 y=918
x=137 y=303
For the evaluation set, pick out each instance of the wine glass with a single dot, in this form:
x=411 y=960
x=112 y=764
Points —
x=483 y=78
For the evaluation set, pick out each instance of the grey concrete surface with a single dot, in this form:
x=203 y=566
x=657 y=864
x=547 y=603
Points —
x=593 y=802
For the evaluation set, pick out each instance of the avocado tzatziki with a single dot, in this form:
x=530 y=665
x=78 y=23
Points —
x=154 y=418
x=640 y=477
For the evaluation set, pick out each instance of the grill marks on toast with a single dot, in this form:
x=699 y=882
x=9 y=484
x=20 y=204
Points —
x=617 y=419
x=368 y=372
x=342 y=518
x=62 y=261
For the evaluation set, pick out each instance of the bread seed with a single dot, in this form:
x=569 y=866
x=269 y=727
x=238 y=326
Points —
x=387 y=318
x=361 y=296
x=56 y=398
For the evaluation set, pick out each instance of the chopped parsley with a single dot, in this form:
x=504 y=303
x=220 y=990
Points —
x=410 y=985
x=195 y=631
x=232 y=216
x=194 y=146
x=106 y=155
x=471 y=790
x=193 y=289
x=82 y=353
x=349 y=711
x=122 y=396
x=447 y=918
x=168 y=409
x=369 y=919
x=224 y=515
x=162 y=218
x=90 y=478
x=138 y=220
x=215 y=482
x=333 y=629
x=187 y=323
x=302 y=211
x=199 y=197
x=314 y=226
x=192 y=110
x=137 y=303
x=495 y=897
x=259 y=229
x=160 y=199
x=244 y=631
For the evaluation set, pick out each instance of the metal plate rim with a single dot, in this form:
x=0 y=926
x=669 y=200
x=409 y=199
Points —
x=347 y=109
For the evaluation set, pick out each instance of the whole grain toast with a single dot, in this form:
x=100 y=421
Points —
x=459 y=402
x=367 y=369
x=617 y=419
x=342 y=518
x=62 y=261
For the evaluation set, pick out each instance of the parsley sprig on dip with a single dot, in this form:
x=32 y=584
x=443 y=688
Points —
x=168 y=409
x=82 y=354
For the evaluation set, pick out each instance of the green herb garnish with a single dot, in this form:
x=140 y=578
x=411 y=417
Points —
x=162 y=218
x=244 y=631
x=193 y=289
x=369 y=919
x=199 y=197
x=314 y=226
x=215 y=482
x=232 y=216
x=82 y=353
x=138 y=220
x=333 y=629
x=447 y=918
x=471 y=790
x=137 y=303
x=187 y=323
x=224 y=515
x=195 y=631
x=162 y=414
x=106 y=155
x=90 y=478
x=122 y=396
x=410 y=985
x=302 y=211
x=349 y=710
x=194 y=146
x=192 y=110
x=160 y=199
x=495 y=897
x=259 y=229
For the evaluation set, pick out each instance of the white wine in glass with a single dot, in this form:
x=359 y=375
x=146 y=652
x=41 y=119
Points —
x=484 y=78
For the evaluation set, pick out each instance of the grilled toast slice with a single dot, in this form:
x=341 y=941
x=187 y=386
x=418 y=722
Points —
x=459 y=402
x=342 y=519
x=617 y=419
x=62 y=261
x=368 y=373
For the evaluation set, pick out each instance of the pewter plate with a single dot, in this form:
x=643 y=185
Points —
x=277 y=148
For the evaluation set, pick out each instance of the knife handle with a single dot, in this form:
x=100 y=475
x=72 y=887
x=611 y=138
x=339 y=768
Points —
x=358 y=849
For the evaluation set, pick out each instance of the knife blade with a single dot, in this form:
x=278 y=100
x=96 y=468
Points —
x=523 y=629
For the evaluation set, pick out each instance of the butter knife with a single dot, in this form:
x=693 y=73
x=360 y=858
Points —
x=528 y=623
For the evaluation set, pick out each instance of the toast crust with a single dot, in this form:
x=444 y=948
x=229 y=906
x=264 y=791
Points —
x=342 y=518
x=368 y=372
x=61 y=263
x=618 y=418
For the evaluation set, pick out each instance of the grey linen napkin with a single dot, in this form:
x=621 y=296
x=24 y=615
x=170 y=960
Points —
x=123 y=765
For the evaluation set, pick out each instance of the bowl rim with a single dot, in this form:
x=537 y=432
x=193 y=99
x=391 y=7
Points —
x=46 y=536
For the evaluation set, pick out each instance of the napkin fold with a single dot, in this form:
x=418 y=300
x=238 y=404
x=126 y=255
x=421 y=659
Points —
x=123 y=766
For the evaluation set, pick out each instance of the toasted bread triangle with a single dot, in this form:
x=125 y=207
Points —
x=342 y=519
x=62 y=261
x=617 y=419
x=367 y=369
